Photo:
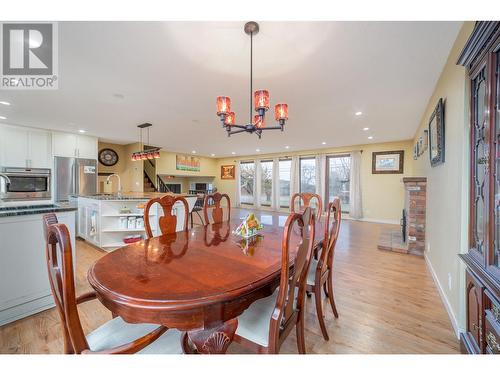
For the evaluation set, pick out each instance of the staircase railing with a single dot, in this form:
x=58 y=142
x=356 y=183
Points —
x=162 y=186
x=150 y=172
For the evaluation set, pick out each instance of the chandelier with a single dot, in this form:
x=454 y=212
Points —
x=149 y=153
x=257 y=123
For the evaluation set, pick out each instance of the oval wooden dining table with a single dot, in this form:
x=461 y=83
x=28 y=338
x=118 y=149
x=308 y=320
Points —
x=197 y=281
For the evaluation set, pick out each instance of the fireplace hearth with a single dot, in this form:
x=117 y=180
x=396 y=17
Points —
x=410 y=237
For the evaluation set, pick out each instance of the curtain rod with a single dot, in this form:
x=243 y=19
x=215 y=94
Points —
x=300 y=156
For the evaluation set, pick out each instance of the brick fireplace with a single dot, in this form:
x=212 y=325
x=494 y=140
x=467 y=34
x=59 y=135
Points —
x=410 y=238
x=415 y=203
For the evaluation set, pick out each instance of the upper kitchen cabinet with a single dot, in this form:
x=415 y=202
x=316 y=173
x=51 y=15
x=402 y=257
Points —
x=24 y=147
x=74 y=145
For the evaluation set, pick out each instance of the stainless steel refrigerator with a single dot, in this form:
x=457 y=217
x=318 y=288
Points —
x=74 y=176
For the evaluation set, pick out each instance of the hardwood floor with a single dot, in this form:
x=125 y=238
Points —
x=387 y=302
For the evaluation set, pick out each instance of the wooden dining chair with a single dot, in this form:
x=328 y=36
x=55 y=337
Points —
x=320 y=275
x=115 y=336
x=267 y=322
x=168 y=222
x=213 y=201
x=306 y=199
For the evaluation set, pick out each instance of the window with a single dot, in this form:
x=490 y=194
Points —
x=307 y=175
x=266 y=182
x=285 y=167
x=339 y=172
x=247 y=176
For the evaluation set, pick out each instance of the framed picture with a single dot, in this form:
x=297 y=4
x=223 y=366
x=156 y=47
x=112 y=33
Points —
x=187 y=163
x=385 y=162
x=436 y=135
x=227 y=172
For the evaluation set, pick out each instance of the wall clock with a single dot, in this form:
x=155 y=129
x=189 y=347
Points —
x=108 y=157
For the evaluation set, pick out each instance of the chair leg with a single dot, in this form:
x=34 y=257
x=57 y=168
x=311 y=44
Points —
x=330 y=294
x=201 y=219
x=319 y=311
x=325 y=289
x=301 y=345
x=192 y=223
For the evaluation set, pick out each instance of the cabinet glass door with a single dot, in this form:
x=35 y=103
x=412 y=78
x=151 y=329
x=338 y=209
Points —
x=495 y=261
x=480 y=150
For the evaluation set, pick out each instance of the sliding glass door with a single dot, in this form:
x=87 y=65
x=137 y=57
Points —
x=285 y=168
x=266 y=182
x=247 y=177
x=338 y=169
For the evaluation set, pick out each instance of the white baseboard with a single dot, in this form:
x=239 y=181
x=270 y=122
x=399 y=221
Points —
x=374 y=220
x=446 y=303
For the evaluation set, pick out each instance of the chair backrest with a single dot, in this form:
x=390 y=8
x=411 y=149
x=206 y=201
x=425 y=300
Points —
x=288 y=300
x=305 y=199
x=168 y=222
x=62 y=282
x=217 y=212
x=332 y=229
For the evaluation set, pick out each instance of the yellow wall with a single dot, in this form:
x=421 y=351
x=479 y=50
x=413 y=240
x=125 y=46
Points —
x=447 y=206
x=118 y=168
x=382 y=195
x=130 y=172
x=166 y=165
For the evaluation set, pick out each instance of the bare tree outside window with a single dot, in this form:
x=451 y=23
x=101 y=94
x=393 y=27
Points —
x=285 y=170
x=266 y=183
x=307 y=175
x=339 y=172
x=247 y=176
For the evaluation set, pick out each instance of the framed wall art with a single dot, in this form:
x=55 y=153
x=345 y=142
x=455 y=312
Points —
x=436 y=135
x=386 y=162
x=227 y=172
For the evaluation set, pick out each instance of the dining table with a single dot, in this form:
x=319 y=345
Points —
x=197 y=280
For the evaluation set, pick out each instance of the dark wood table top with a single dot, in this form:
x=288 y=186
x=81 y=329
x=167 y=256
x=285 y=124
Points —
x=188 y=274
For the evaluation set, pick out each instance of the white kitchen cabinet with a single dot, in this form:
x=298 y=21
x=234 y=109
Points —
x=86 y=147
x=24 y=147
x=24 y=282
x=64 y=144
x=74 y=145
x=39 y=146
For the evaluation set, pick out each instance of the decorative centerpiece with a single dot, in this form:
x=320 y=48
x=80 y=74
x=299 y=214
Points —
x=249 y=227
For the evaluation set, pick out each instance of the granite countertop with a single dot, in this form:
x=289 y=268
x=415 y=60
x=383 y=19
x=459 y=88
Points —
x=35 y=209
x=131 y=196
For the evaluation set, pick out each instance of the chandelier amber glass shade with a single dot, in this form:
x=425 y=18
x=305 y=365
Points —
x=230 y=119
x=259 y=122
x=223 y=105
x=281 y=111
x=261 y=99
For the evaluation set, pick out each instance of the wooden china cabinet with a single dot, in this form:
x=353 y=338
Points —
x=481 y=57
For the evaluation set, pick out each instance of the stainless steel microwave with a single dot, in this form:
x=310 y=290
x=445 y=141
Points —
x=25 y=184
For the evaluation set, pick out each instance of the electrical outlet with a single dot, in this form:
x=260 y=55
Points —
x=428 y=247
x=449 y=281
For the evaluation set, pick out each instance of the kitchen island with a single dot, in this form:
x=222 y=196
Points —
x=108 y=220
x=24 y=283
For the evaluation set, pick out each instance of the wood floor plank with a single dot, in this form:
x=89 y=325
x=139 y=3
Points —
x=387 y=302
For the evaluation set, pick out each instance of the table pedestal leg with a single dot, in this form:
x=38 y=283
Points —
x=210 y=341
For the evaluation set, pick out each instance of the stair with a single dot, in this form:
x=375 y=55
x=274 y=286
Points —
x=148 y=186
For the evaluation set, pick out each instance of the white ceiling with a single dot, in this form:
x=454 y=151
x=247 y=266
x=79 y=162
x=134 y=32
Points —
x=169 y=74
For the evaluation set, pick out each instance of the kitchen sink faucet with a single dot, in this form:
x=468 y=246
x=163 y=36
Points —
x=119 y=183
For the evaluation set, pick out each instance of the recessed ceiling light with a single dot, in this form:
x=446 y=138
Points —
x=365 y=129
x=359 y=113
x=233 y=153
x=212 y=155
x=4 y=103
x=258 y=149
x=193 y=152
x=323 y=143
x=370 y=137
x=287 y=147
x=3 y=118
x=82 y=131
